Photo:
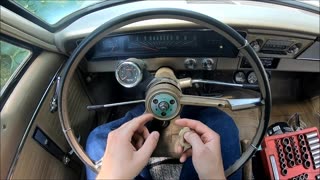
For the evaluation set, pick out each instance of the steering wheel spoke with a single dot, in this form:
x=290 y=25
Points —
x=233 y=104
x=245 y=103
x=203 y=101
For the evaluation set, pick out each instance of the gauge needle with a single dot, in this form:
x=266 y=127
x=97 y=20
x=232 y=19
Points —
x=123 y=78
x=112 y=48
x=147 y=47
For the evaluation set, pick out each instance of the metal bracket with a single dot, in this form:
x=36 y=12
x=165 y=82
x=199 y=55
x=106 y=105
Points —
x=255 y=148
x=54 y=100
x=246 y=43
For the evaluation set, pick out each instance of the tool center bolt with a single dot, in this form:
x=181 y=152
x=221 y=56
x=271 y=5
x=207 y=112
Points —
x=163 y=106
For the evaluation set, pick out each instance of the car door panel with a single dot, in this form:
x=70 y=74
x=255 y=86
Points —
x=20 y=106
x=31 y=159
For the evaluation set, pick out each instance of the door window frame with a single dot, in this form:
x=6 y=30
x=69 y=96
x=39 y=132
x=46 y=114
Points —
x=19 y=72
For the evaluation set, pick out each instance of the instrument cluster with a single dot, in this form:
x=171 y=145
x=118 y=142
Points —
x=192 y=43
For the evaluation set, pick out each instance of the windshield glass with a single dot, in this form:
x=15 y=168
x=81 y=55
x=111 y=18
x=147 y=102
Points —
x=311 y=2
x=53 y=11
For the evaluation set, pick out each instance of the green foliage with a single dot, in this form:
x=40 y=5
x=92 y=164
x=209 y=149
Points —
x=52 y=11
x=11 y=58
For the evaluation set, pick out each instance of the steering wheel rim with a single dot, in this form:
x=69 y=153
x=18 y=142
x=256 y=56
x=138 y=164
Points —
x=164 y=13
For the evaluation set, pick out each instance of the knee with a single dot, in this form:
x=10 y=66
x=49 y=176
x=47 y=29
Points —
x=135 y=112
x=97 y=141
x=220 y=122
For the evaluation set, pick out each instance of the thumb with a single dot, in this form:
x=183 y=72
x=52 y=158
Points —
x=194 y=139
x=149 y=145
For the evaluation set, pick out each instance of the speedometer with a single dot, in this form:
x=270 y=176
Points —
x=128 y=74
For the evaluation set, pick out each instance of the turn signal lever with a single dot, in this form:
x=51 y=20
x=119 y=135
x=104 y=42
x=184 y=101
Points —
x=188 y=82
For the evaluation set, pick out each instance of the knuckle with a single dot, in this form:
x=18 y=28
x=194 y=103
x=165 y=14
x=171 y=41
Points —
x=134 y=119
x=113 y=134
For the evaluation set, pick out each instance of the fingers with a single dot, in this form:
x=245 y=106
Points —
x=199 y=127
x=140 y=136
x=136 y=123
x=207 y=138
x=178 y=148
x=143 y=131
x=194 y=139
x=149 y=145
x=185 y=155
x=137 y=141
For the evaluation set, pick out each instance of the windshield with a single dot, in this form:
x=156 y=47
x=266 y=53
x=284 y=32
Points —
x=52 y=11
x=311 y=2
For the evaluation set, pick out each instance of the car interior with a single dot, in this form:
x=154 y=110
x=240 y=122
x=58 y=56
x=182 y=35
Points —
x=258 y=61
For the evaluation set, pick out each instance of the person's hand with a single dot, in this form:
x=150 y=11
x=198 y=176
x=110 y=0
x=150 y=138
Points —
x=205 y=151
x=128 y=149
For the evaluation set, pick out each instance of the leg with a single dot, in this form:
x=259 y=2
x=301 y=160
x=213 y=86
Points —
x=97 y=140
x=221 y=123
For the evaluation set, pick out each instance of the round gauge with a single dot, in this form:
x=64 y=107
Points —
x=240 y=77
x=252 y=78
x=128 y=74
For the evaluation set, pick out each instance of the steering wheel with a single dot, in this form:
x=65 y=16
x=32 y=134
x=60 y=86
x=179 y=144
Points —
x=172 y=86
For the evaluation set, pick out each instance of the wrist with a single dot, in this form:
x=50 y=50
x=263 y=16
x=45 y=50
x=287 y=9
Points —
x=108 y=176
x=212 y=175
x=113 y=175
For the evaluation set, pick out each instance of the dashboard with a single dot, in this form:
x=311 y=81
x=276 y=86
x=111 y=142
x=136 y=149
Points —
x=129 y=53
x=195 y=43
x=203 y=49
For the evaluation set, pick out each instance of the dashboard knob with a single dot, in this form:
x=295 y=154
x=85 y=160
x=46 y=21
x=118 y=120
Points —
x=255 y=45
x=293 y=49
x=252 y=78
x=190 y=63
x=208 y=63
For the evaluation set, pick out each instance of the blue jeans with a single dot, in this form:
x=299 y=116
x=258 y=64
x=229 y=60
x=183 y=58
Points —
x=214 y=118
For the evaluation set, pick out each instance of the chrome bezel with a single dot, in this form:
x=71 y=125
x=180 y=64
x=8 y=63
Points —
x=235 y=77
x=253 y=74
x=130 y=85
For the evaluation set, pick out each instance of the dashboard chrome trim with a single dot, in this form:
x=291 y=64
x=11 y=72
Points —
x=153 y=64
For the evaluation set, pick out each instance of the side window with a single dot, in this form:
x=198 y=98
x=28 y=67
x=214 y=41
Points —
x=12 y=60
